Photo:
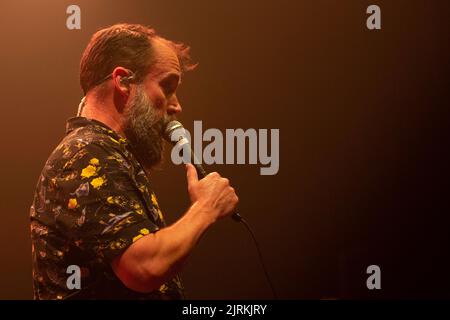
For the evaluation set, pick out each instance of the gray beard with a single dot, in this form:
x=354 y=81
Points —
x=144 y=130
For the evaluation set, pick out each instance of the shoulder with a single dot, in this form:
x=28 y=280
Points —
x=89 y=146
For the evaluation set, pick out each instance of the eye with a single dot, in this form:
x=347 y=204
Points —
x=169 y=85
x=168 y=89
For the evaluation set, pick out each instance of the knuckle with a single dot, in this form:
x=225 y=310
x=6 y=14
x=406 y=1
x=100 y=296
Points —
x=214 y=174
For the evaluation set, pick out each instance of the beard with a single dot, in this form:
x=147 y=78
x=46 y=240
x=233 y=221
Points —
x=144 y=129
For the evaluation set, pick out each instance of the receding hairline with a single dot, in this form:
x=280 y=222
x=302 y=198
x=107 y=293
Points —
x=182 y=52
x=89 y=80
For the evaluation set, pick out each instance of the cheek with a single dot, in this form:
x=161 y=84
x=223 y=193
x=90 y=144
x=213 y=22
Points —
x=156 y=96
x=160 y=102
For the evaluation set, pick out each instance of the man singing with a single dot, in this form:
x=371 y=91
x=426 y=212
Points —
x=94 y=208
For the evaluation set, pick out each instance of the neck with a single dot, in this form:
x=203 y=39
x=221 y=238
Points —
x=104 y=111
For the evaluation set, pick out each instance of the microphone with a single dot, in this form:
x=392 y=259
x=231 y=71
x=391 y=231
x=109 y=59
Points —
x=175 y=134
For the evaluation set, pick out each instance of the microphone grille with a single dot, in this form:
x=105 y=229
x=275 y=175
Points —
x=170 y=128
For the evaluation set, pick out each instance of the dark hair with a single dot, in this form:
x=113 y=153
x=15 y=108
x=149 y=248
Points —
x=125 y=45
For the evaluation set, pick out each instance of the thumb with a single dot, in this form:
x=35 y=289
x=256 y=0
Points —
x=191 y=174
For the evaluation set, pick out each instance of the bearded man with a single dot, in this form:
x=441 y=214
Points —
x=94 y=212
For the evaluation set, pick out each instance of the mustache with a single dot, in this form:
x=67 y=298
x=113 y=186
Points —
x=162 y=123
x=157 y=128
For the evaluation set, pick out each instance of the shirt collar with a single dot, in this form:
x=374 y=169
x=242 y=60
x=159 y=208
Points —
x=79 y=122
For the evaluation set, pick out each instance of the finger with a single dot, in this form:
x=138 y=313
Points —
x=191 y=174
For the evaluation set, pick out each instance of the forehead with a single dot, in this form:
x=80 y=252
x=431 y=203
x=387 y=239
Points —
x=166 y=59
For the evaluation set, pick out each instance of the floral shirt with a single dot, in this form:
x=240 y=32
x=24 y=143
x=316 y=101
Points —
x=92 y=201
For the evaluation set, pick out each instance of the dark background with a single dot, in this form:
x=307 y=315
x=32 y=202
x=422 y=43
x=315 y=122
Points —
x=363 y=137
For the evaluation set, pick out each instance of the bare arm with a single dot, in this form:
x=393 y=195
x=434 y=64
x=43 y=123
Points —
x=155 y=258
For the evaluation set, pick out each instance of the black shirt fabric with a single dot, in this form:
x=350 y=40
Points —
x=92 y=201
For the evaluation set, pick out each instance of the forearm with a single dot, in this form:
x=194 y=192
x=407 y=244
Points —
x=173 y=244
x=155 y=258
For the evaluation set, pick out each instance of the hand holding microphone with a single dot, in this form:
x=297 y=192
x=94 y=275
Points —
x=212 y=189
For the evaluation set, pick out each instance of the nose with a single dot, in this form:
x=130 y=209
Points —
x=174 y=106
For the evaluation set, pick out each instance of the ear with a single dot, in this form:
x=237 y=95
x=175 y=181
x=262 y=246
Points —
x=120 y=78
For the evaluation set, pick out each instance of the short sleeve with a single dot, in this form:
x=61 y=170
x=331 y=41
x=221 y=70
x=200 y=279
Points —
x=103 y=211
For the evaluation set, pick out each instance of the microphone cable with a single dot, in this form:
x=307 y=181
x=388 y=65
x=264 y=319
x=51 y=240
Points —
x=261 y=260
x=174 y=133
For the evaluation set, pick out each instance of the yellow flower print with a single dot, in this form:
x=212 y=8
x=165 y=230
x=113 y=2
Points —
x=70 y=176
x=89 y=171
x=66 y=149
x=160 y=215
x=155 y=203
x=116 y=157
x=114 y=140
x=163 y=288
x=138 y=209
x=143 y=231
x=116 y=245
x=79 y=144
x=72 y=203
x=98 y=182
x=94 y=162
x=117 y=200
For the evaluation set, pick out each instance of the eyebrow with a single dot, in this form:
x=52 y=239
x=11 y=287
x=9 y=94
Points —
x=169 y=75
